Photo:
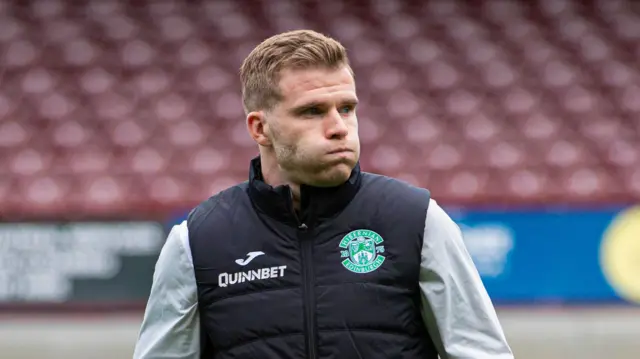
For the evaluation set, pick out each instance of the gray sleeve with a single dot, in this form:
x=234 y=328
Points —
x=170 y=327
x=456 y=308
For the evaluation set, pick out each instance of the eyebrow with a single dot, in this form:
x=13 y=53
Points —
x=308 y=105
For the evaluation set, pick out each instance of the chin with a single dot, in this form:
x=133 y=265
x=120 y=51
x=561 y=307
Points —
x=334 y=176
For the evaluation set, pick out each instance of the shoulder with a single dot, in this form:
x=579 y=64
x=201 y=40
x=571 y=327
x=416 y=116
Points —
x=221 y=202
x=395 y=190
x=175 y=260
x=440 y=228
x=438 y=218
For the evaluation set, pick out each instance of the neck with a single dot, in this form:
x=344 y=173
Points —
x=273 y=191
x=273 y=175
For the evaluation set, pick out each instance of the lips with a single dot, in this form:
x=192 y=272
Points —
x=340 y=150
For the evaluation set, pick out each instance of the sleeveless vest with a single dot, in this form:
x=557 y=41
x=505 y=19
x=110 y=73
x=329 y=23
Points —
x=338 y=280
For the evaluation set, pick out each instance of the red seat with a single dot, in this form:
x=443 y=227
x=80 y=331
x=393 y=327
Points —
x=503 y=11
x=186 y=133
x=441 y=75
x=103 y=193
x=460 y=186
x=453 y=154
x=113 y=106
x=96 y=80
x=558 y=74
x=537 y=125
x=30 y=162
x=6 y=188
x=13 y=134
x=80 y=52
x=565 y=153
x=510 y=154
x=371 y=131
x=46 y=195
x=93 y=159
x=616 y=74
x=482 y=127
x=148 y=160
x=205 y=161
x=498 y=75
x=386 y=159
x=61 y=30
x=532 y=184
x=165 y=188
x=594 y=48
x=227 y=107
x=602 y=128
x=175 y=28
x=403 y=104
x=623 y=153
x=520 y=100
x=136 y=54
x=425 y=130
x=20 y=53
x=129 y=133
x=71 y=134
x=584 y=184
x=631 y=180
x=629 y=99
x=210 y=78
x=422 y=51
x=578 y=100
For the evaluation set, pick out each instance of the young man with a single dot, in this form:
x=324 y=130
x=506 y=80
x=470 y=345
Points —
x=312 y=257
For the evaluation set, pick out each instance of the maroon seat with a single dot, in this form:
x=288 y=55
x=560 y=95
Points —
x=104 y=193
x=531 y=184
x=44 y=195
x=588 y=184
x=631 y=180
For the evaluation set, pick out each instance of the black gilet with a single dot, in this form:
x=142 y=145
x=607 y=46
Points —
x=338 y=279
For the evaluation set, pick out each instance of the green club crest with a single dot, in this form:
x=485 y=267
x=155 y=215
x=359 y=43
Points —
x=361 y=251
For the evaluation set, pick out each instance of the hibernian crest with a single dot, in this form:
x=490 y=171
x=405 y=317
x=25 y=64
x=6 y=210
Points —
x=362 y=251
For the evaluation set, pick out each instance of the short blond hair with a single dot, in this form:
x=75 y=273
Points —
x=299 y=49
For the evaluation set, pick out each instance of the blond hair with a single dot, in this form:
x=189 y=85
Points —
x=299 y=49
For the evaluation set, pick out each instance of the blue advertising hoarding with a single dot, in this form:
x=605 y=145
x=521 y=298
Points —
x=553 y=256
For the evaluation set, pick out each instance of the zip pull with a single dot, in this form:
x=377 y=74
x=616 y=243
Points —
x=303 y=227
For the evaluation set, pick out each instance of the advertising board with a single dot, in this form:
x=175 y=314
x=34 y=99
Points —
x=78 y=262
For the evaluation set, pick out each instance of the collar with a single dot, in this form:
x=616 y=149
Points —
x=316 y=203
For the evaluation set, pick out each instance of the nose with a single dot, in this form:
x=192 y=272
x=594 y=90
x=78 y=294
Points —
x=335 y=125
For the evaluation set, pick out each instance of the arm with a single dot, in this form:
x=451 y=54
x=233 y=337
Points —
x=171 y=328
x=455 y=305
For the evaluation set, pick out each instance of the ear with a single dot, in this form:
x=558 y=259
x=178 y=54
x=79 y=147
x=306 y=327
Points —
x=258 y=128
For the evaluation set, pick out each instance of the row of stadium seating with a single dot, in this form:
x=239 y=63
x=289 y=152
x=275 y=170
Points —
x=112 y=105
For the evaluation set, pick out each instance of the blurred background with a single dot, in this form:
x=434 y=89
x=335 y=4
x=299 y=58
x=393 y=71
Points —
x=521 y=117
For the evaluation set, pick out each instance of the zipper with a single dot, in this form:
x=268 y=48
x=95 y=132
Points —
x=308 y=280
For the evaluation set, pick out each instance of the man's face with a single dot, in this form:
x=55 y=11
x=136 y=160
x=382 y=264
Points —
x=314 y=129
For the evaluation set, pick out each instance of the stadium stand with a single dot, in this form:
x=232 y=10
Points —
x=109 y=107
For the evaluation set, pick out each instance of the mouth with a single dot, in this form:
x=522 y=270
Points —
x=340 y=150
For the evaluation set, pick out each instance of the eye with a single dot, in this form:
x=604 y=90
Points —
x=312 y=111
x=346 y=109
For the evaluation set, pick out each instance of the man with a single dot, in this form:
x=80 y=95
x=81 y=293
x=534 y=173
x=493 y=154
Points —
x=312 y=257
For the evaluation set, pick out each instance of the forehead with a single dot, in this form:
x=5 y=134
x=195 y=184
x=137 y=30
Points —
x=317 y=85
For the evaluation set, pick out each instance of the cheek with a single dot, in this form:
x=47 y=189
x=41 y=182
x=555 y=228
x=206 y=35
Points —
x=291 y=143
x=281 y=136
x=352 y=124
x=307 y=136
x=353 y=131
